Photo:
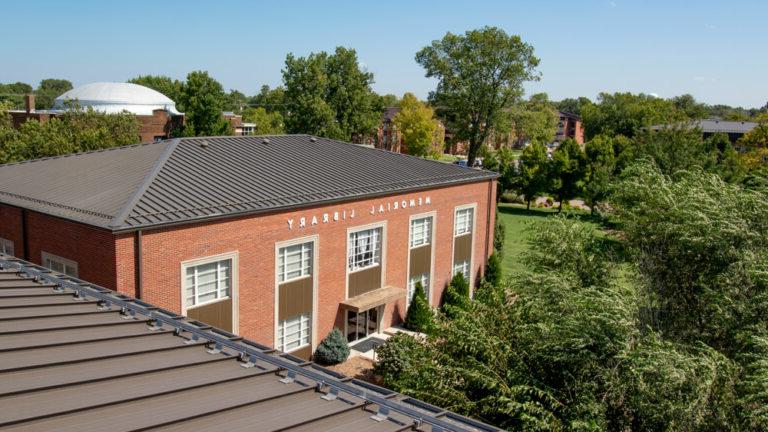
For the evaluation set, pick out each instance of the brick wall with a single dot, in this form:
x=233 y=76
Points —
x=10 y=228
x=254 y=238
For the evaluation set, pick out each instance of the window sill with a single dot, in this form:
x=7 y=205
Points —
x=208 y=303
x=363 y=268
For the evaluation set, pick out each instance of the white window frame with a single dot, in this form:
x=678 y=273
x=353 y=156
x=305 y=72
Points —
x=456 y=210
x=376 y=237
x=467 y=223
x=424 y=226
x=303 y=335
x=233 y=288
x=383 y=256
x=6 y=246
x=69 y=267
x=221 y=292
x=305 y=254
x=315 y=241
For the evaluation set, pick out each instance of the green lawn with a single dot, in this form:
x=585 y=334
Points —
x=516 y=219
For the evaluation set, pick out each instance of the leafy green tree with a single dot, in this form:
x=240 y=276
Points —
x=627 y=114
x=688 y=105
x=573 y=106
x=535 y=120
x=728 y=163
x=456 y=295
x=674 y=148
x=533 y=176
x=203 y=99
x=235 y=101
x=757 y=137
x=480 y=75
x=601 y=165
x=624 y=152
x=499 y=235
x=167 y=86
x=272 y=100
x=419 y=317
x=568 y=170
x=333 y=349
x=48 y=90
x=13 y=93
x=389 y=100
x=418 y=126
x=76 y=130
x=329 y=95
x=267 y=123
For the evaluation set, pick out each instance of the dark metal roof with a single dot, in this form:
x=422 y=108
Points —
x=715 y=126
x=191 y=179
x=77 y=357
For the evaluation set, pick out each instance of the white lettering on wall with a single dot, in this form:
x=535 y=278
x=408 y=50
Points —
x=380 y=208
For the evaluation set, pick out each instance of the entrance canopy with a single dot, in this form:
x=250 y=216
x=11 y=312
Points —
x=373 y=298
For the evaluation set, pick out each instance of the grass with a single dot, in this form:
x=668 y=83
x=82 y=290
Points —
x=516 y=219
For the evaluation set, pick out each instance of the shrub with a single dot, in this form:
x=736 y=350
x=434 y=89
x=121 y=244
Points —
x=398 y=359
x=419 y=317
x=333 y=349
x=456 y=295
x=511 y=198
x=493 y=272
x=499 y=233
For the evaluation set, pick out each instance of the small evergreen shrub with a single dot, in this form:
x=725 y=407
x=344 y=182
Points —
x=499 y=234
x=493 y=272
x=333 y=349
x=397 y=358
x=419 y=317
x=456 y=295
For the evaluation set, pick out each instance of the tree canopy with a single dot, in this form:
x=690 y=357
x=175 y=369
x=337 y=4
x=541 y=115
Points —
x=167 y=86
x=419 y=128
x=480 y=75
x=330 y=95
x=203 y=100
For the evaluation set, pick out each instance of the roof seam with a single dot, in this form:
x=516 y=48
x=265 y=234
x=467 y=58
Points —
x=57 y=205
x=120 y=218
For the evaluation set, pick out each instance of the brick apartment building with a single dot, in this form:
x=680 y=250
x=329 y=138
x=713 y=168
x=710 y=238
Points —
x=279 y=239
x=569 y=126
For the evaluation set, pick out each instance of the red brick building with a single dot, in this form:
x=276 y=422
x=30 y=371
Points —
x=569 y=126
x=279 y=239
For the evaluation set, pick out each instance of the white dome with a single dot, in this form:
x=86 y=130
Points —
x=111 y=97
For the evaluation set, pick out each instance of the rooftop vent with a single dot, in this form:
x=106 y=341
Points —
x=204 y=144
x=312 y=139
x=265 y=141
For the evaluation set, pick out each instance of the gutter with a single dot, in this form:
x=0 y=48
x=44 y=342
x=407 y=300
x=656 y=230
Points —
x=137 y=264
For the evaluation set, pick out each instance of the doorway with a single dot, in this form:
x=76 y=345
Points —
x=362 y=324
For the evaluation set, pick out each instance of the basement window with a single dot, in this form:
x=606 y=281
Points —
x=59 y=264
x=6 y=246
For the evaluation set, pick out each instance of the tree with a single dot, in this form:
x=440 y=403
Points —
x=480 y=75
x=329 y=95
x=535 y=120
x=14 y=94
x=419 y=317
x=499 y=235
x=573 y=106
x=272 y=100
x=333 y=349
x=674 y=148
x=167 y=86
x=600 y=167
x=418 y=126
x=456 y=295
x=568 y=170
x=76 y=130
x=267 y=123
x=235 y=102
x=202 y=99
x=627 y=113
x=533 y=172
x=493 y=272
x=48 y=90
x=757 y=137
x=389 y=100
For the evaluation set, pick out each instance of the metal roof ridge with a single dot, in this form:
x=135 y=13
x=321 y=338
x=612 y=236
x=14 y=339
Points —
x=128 y=206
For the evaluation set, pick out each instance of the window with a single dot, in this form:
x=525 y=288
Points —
x=424 y=278
x=59 y=264
x=294 y=262
x=463 y=268
x=293 y=333
x=364 y=249
x=463 y=222
x=421 y=231
x=6 y=246
x=208 y=282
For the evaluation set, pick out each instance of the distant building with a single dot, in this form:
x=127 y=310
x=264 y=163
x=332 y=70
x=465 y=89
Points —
x=709 y=127
x=156 y=113
x=569 y=126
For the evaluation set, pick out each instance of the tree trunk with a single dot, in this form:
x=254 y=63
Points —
x=529 y=204
x=560 y=207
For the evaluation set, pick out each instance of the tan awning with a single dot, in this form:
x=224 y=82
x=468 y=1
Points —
x=373 y=298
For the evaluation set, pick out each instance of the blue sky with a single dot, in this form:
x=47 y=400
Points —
x=717 y=51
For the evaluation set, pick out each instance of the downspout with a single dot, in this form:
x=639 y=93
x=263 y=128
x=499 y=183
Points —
x=137 y=258
x=24 y=234
x=488 y=222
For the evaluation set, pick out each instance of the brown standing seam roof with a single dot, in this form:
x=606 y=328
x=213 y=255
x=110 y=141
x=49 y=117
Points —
x=76 y=362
